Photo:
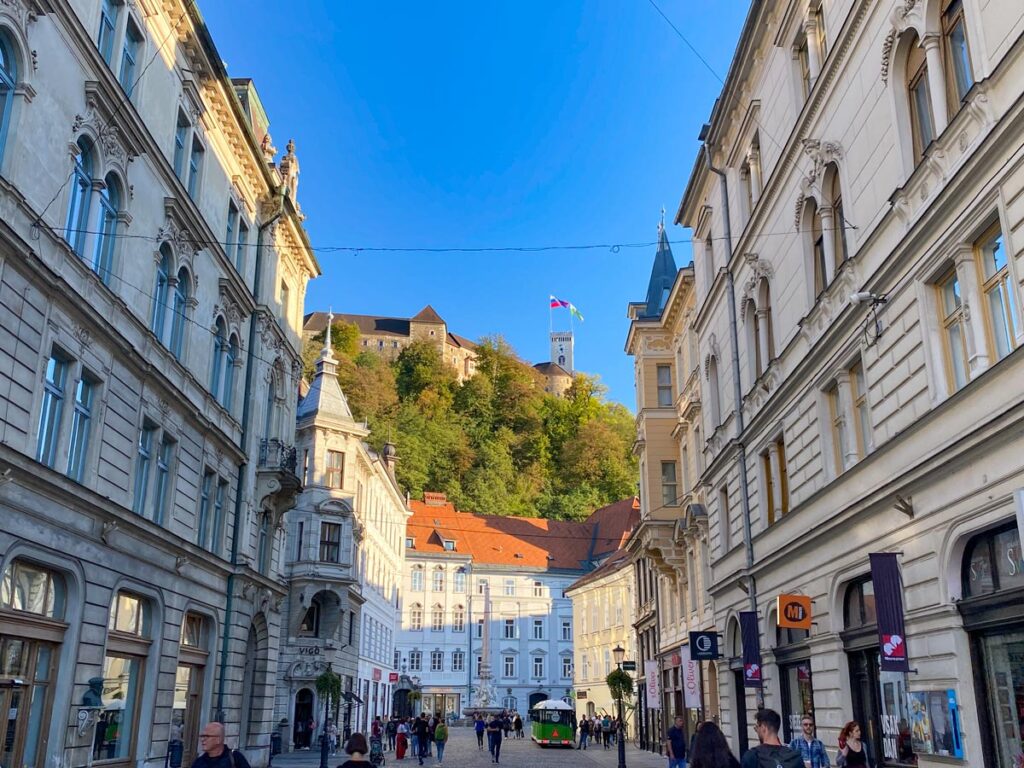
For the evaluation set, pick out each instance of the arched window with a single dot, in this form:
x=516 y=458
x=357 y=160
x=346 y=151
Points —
x=818 y=250
x=8 y=77
x=993 y=562
x=416 y=617
x=106 y=228
x=714 y=403
x=310 y=624
x=859 y=604
x=230 y=362
x=835 y=200
x=33 y=589
x=922 y=123
x=81 y=194
x=765 y=332
x=272 y=424
x=181 y=297
x=753 y=332
x=220 y=346
x=163 y=281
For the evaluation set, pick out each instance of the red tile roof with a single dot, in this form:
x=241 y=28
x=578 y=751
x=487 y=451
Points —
x=527 y=542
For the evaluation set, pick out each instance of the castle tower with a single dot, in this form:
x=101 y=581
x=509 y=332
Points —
x=562 y=349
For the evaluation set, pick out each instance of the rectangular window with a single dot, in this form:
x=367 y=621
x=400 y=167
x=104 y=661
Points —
x=954 y=332
x=335 y=469
x=437 y=620
x=130 y=57
x=437 y=581
x=217 y=540
x=921 y=125
x=723 y=517
x=299 y=536
x=804 y=65
x=229 y=237
x=195 y=167
x=566 y=630
x=52 y=409
x=508 y=666
x=1001 y=314
x=458 y=661
x=459 y=621
x=415 y=661
x=664 y=386
x=397 y=660
x=538 y=589
x=509 y=629
x=538 y=629
x=180 y=142
x=205 y=509
x=776 y=489
x=510 y=587
x=479 y=665
x=538 y=666
x=481 y=587
x=162 y=498
x=838 y=421
x=861 y=417
x=958 y=59
x=80 y=427
x=417 y=579
x=819 y=23
x=330 y=542
x=108 y=25
x=243 y=243
x=436 y=661
x=459 y=582
x=146 y=436
x=479 y=628
x=669 y=489
x=566 y=667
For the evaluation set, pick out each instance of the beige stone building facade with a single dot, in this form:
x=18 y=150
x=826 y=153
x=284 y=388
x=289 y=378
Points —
x=857 y=215
x=602 y=604
x=152 y=267
x=388 y=336
x=669 y=547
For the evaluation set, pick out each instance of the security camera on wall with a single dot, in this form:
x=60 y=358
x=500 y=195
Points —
x=862 y=297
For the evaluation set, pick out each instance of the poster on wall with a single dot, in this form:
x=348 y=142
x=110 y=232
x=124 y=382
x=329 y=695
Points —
x=935 y=723
x=897 y=741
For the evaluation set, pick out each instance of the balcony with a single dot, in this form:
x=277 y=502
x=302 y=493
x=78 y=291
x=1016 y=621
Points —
x=277 y=483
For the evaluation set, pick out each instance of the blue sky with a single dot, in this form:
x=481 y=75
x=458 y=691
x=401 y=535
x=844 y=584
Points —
x=480 y=124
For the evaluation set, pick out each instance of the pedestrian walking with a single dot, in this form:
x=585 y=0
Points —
x=710 y=749
x=494 y=733
x=479 y=726
x=440 y=739
x=675 y=743
x=391 y=730
x=770 y=751
x=432 y=722
x=357 y=750
x=215 y=753
x=332 y=736
x=517 y=724
x=584 y=733
x=422 y=730
x=852 y=751
x=401 y=740
x=810 y=748
x=606 y=731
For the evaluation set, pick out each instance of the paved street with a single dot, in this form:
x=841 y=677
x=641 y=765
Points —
x=462 y=752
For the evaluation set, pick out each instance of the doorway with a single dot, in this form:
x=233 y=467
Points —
x=740 y=710
x=188 y=687
x=537 y=698
x=302 y=733
x=27 y=668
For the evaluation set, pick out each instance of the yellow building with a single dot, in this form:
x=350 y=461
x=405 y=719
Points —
x=388 y=336
x=603 y=611
x=669 y=547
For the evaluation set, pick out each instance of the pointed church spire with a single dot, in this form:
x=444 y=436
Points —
x=663 y=273
x=325 y=397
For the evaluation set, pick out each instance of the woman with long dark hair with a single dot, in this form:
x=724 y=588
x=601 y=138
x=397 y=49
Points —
x=710 y=749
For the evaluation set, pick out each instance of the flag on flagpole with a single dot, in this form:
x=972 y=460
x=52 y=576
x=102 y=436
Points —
x=556 y=303
x=575 y=312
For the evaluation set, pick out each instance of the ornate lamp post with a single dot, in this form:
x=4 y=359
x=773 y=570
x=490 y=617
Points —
x=620 y=654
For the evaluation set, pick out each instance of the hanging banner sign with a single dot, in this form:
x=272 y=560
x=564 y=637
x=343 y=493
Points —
x=892 y=638
x=392 y=677
x=751 y=649
x=652 y=677
x=704 y=646
x=794 y=611
x=1018 y=497
x=691 y=681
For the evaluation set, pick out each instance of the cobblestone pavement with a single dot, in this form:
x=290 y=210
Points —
x=461 y=752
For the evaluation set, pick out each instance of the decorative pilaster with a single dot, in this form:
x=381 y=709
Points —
x=970 y=299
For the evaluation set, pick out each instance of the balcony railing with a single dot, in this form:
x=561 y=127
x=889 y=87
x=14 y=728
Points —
x=276 y=455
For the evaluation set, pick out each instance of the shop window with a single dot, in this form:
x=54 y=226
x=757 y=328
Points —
x=993 y=562
x=310 y=624
x=117 y=691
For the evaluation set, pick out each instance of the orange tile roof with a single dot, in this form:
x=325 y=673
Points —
x=527 y=542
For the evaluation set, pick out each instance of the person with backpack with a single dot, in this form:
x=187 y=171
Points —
x=606 y=731
x=440 y=738
x=770 y=753
x=584 y=733
x=675 y=743
x=216 y=754
x=391 y=731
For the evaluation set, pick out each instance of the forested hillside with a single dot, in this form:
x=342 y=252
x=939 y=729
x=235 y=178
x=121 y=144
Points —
x=497 y=443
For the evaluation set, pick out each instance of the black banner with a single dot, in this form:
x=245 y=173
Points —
x=892 y=639
x=704 y=646
x=751 y=649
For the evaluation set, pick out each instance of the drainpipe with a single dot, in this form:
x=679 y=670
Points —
x=737 y=389
x=250 y=358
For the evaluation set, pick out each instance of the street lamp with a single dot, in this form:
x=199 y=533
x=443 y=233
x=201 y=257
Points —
x=620 y=654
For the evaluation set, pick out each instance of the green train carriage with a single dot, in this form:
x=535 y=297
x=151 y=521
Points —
x=553 y=723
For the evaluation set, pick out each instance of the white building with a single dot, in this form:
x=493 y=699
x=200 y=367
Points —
x=868 y=148
x=528 y=564
x=152 y=268
x=344 y=560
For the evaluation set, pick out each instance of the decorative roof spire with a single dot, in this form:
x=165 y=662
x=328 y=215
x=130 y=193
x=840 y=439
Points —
x=663 y=273
x=325 y=396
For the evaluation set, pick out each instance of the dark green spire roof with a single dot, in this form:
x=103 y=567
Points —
x=663 y=274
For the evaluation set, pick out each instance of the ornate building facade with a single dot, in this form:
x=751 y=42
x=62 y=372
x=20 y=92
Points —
x=669 y=546
x=343 y=565
x=152 y=268
x=856 y=210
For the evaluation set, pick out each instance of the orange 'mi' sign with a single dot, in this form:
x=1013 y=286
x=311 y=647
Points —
x=794 y=611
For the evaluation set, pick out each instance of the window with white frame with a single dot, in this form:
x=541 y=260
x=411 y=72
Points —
x=437 y=580
x=481 y=586
x=479 y=665
x=415 y=661
x=566 y=667
x=538 y=629
x=669 y=486
x=664 y=375
x=416 y=617
x=566 y=629
x=509 y=629
x=538 y=589
x=776 y=481
x=417 y=579
x=459 y=619
x=458 y=661
x=1002 y=314
x=954 y=330
x=479 y=628
x=436 y=661
x=510 y=587
x=538 y=666
x=437 y=619
x=508 y=666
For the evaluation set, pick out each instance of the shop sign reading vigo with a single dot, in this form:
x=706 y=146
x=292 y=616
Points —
x=691 y=681
x=652 y=678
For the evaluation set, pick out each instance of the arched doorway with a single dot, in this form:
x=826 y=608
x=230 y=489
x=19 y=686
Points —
x=537 y=698
x=301 y=734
